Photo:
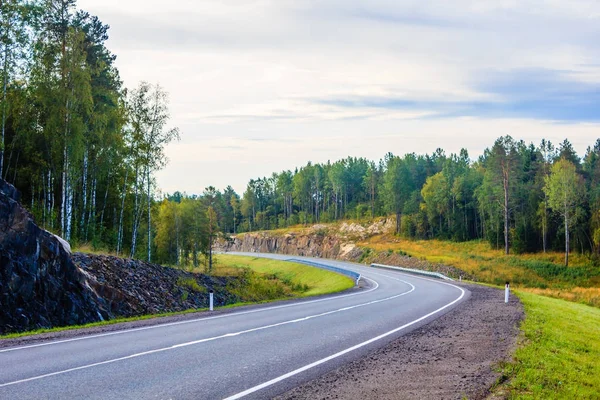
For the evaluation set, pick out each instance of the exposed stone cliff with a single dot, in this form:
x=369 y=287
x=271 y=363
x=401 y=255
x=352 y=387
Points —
x=39 y=284
x=335 y=242
x=316 y=241
x=134 y=287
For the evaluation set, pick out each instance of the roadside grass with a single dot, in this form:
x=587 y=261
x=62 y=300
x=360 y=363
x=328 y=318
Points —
x=90 y=249
x=100 y=323
x=288 y=278
x=539 y=273
x=559 y=353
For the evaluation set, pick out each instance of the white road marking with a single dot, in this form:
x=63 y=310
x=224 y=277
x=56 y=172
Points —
x=341 y=353
x=233 y=314
x=211 y=338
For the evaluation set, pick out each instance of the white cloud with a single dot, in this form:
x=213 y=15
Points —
x=237 y=71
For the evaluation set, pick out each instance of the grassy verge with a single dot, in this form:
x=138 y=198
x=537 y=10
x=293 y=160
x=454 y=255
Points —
x=538 y=273
x=559 y=356
x=99 y=323
x=267 y=277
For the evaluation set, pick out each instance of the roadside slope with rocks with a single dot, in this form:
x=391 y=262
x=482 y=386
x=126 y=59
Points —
x=43 y=285
x=134 y=287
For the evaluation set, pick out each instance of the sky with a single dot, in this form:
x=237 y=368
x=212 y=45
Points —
x=260 y=86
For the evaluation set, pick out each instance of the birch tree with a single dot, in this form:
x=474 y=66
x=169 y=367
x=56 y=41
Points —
x=155 y=137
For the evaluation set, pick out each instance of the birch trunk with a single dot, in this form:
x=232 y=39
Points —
x=82 y=224
x=4 y=85
x=136 y=216
x=104 y=203
x=120 y=230
x=149 y=215
x=567 y=239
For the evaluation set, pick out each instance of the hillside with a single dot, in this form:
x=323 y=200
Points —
x=375 y=242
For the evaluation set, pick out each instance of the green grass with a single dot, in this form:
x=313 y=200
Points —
x=191 y=284
x=559 y=356
x=301 y=279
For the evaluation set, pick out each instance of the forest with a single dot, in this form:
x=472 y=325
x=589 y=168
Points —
x=80 y=147
x=83 y=149
x=520 y=197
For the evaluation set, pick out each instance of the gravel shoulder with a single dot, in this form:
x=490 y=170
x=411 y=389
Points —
x=453 y=357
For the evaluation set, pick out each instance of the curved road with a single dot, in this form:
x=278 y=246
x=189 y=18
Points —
x=252 y=353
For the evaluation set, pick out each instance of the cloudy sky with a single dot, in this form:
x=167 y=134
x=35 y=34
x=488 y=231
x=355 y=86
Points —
x=258 y=86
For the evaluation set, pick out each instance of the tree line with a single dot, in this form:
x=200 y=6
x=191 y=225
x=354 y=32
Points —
x=80 y=147
x=519 y=197
x=83 y=150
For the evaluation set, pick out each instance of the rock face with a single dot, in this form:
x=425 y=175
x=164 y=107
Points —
x=39 y=284
x=335 y=243
x=316 y=241
x=306 y=244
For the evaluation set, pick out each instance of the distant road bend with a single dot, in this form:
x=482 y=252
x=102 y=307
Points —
x=253 y=353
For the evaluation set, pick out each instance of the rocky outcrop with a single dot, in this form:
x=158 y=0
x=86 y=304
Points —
x=335 y=242
x=305 y=244
x=134 y=287
x=39 y=284
x=317 y=241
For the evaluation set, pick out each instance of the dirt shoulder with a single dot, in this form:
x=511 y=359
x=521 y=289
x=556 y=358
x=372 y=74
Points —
x=450 y=358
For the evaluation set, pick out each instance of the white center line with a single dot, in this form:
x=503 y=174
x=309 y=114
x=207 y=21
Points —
x=233 y=314
x=348 y=350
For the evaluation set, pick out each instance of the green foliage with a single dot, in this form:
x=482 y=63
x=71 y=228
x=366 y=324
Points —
x=366 y=253
x=499 y=198
x=565 y=190
x=578 y=276
x=81 y=153
x=191 y=284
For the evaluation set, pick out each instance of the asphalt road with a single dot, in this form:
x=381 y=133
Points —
x=255 y=353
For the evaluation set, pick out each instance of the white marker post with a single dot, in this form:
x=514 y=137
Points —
x=210 y=300
x=506 y=290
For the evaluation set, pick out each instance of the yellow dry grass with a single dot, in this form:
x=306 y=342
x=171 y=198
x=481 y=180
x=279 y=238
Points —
x=589 y=296
x=541 y=273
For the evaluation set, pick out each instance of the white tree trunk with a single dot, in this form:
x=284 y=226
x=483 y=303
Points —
x=120 y=234
x=149 y=216
x=4 y=85
x=84 y=195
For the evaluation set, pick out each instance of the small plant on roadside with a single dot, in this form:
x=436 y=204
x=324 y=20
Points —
x=191 y=284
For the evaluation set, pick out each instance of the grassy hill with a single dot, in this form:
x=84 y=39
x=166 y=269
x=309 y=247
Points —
x=539 y=273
